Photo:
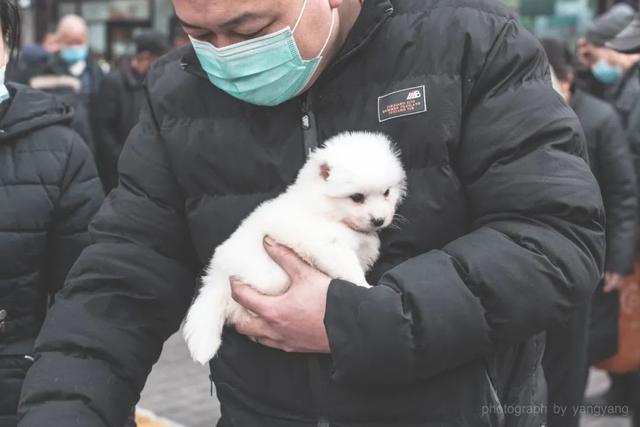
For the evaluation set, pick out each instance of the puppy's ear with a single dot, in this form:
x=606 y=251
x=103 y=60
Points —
x=325 y=170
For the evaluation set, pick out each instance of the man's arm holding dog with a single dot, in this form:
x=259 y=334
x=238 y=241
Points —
x=535 y=249
x=125 y=295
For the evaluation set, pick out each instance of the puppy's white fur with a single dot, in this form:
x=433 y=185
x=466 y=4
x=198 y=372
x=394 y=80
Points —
x=320 y=216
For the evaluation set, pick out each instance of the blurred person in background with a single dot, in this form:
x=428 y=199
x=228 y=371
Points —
x=617 y=72
x=49 y=191
x=120 y=99
x=614 y=73
x=33 y=55
x=627 y=387
x=71 y=74
x=628 y=42
x=565 y=361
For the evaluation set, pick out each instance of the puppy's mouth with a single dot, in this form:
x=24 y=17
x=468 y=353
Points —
x=358 y=229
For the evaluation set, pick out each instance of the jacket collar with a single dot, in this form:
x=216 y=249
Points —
x=373 y=14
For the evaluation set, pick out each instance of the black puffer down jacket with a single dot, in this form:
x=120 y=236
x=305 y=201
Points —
x=612 y=165
x=624 y=96
x=49 y=191
x=121 y=98
x=504 y=235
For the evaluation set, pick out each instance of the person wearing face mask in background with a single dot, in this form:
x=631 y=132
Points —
x=49 y=191
x=71 y=74
x=566 y=356
x=612 y=73
x=609 y=64
x=626 y=387
x=121 y=98
x=615 y=74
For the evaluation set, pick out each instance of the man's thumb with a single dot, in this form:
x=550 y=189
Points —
x=290 y=262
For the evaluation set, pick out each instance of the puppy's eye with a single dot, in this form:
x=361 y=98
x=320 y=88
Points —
x=386 y=193
x=358 y=197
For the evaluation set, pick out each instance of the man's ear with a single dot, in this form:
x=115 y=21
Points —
x=325 y=170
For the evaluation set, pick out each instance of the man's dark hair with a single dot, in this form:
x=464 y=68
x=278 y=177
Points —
x=10 y=22
x=560 y=58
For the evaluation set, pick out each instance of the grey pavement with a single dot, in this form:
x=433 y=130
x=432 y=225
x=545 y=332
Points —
x=178 y=389
x=598 y=382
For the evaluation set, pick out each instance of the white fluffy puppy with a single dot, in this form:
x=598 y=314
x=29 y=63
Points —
x=345 y=192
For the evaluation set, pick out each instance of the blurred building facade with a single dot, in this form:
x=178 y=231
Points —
x=563 y=19
x=112 y=23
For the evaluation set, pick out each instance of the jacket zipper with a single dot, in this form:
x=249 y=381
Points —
x=309 y=126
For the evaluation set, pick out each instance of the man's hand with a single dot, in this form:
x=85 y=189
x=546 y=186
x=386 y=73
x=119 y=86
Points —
x=294 y=321
x=612 y=282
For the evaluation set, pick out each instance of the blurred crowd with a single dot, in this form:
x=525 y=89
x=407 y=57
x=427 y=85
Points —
x=599 y=78
x=106 y=98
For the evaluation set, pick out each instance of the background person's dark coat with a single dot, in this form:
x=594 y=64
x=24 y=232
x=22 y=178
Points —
x=611 y=163
x=49 y=191
x=572 y=347
x=613 y=166
x=121 y=97
x=504 y=235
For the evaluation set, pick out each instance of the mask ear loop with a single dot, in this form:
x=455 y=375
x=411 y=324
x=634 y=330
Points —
x=326 y=42
x=304 y=6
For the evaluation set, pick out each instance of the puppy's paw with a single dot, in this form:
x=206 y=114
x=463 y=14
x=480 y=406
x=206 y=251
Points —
x=203 y=347
x=202 y=338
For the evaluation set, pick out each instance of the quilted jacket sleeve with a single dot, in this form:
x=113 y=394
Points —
x=535 y=249
x=79 y=200
x=123 y=298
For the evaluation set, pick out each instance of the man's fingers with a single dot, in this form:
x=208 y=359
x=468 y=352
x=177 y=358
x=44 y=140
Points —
x=608 y=287
x=251 y=299
x=290 y=262
x=262 y=332
x=612 y=282
x=255 y=327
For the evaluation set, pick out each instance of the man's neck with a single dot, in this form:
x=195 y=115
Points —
x=349 y=12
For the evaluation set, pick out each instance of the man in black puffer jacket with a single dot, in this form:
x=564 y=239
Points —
x=49 y=191
x=503 y=235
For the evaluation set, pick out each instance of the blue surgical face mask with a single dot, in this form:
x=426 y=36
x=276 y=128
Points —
x=73 y=54
x=606 y=73
x=267 y=70
x=4 y=92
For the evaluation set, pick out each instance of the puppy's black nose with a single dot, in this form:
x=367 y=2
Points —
x=377 y=222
